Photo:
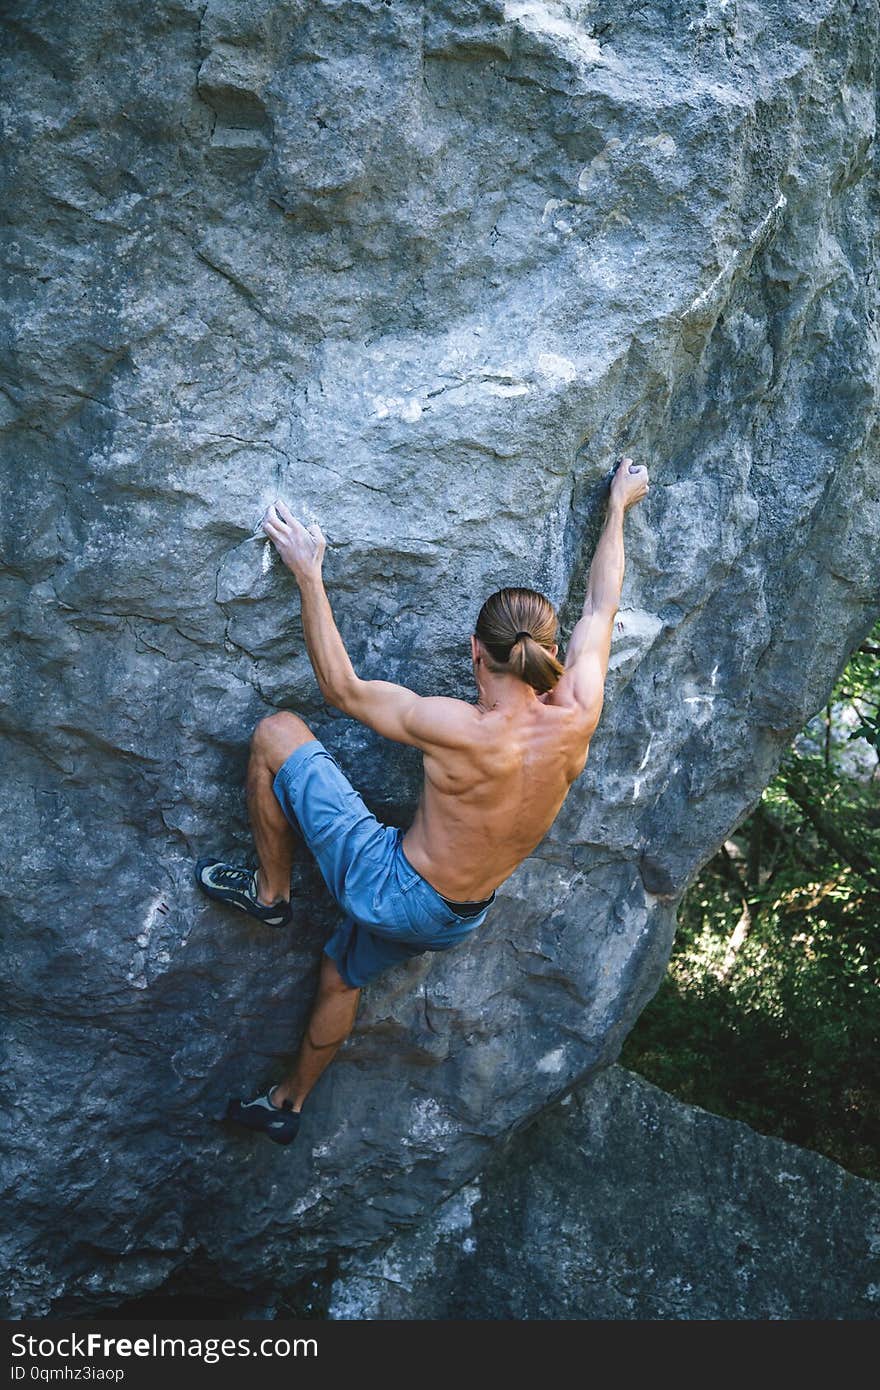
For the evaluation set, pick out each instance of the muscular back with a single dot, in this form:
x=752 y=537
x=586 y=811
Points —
x=490 y=799
x=496 y=773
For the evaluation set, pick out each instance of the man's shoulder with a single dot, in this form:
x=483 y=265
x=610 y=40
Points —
x=444 y=720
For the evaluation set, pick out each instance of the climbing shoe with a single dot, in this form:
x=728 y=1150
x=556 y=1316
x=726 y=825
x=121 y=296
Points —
x=279 y=1122
x=239 y=886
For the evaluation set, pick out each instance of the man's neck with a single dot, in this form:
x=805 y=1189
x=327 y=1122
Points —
x=505 y=694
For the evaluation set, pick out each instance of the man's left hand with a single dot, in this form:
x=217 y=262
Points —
x=300 y=547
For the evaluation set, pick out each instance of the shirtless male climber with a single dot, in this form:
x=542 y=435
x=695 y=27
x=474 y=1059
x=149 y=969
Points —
x=495 y=776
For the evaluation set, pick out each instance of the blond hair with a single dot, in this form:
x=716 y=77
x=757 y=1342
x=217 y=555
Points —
x=517 y=628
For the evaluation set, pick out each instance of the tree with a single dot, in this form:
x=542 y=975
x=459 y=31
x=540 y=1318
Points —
x=770 y=1010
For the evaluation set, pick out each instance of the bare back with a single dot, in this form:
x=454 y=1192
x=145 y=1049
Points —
x=487 y=802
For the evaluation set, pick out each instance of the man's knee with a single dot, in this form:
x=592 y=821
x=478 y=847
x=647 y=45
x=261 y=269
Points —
x=331 y=980
x=277 y=735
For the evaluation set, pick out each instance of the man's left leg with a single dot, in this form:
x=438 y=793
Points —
x=273 y=741
x=264 y=893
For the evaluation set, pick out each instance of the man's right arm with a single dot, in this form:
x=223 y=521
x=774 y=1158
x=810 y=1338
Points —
x=582 y=684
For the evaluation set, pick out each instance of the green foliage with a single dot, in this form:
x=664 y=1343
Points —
x=770 y=1010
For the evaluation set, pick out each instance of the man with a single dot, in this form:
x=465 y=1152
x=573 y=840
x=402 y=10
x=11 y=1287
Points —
x=496 y=774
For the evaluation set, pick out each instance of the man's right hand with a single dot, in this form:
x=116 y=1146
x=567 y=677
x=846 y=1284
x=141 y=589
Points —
x=630 y=483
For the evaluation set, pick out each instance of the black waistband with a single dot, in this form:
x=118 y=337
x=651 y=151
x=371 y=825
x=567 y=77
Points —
x=467 y=909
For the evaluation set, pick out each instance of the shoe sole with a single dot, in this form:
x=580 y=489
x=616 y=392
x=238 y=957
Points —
x=283 y=1140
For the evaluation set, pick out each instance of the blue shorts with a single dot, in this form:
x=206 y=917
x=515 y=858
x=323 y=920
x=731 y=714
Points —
x=391 y=912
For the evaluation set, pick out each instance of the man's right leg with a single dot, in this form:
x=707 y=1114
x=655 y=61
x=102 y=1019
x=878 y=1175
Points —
x=330 y=1022
x=273 y=741
x=276 y=1113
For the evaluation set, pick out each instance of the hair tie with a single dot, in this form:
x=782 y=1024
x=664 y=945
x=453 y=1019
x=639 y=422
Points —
x=521 y=634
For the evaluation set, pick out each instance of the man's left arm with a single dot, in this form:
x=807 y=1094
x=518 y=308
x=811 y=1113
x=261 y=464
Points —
x=392 y=710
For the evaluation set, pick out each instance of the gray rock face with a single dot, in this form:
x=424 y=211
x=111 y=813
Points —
x=424 y=271
x=624 y=1203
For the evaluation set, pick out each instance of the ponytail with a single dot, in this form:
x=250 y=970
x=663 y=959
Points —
x=517 y=627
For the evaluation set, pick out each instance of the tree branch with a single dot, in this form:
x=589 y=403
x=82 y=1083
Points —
x=829 y=832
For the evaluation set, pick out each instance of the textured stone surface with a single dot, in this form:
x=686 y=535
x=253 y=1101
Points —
x=624 y=1203
x=424 y=270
